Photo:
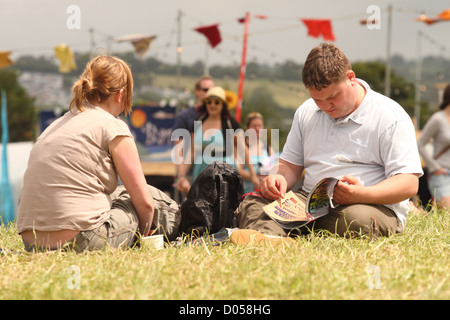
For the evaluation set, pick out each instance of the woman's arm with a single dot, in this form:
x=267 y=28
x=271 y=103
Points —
x=128 y=165
x=239 y=145
x=183 y=183
x=428 y=133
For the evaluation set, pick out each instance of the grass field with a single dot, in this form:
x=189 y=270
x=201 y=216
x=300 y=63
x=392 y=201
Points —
x=412 y=265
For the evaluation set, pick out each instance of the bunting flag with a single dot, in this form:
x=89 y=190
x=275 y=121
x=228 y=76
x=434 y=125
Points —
x=319 y=27
x=140 y=42
x=7 y=210
x=5 y=61
x=65 y=57
x=443 y=16
x=212 y=33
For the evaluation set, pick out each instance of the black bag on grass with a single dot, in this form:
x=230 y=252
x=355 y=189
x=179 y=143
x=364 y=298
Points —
x=210 y=203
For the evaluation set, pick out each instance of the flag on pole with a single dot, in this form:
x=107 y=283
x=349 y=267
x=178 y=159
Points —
x=443 y=16
x=212 y=33
x=257 y=16
x=7 y=210
x=242 y=69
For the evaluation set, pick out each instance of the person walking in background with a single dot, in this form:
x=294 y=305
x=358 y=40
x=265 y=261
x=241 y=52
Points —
x=211 y=135
x=437 y=130
x=262 y=156
x=70 y=193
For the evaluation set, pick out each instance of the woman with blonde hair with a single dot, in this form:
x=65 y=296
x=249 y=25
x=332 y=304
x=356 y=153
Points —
x=70 y=194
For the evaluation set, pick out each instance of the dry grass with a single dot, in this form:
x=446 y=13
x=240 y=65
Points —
x=413 y=265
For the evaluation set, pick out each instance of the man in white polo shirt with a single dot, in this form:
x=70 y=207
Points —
x=350 y=132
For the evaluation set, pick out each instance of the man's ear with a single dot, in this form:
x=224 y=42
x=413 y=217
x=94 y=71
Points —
x=351 y=76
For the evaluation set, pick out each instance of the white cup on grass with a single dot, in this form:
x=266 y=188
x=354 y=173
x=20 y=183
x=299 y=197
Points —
x=153 y=242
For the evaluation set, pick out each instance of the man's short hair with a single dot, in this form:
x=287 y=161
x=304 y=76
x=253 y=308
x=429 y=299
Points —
x=325 y=64
x=198 y=84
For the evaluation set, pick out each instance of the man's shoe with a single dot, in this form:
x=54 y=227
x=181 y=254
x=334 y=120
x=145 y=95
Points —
x=248 y=236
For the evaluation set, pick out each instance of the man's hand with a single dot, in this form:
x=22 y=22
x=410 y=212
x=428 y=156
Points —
x=347 y=190
x=273 y=186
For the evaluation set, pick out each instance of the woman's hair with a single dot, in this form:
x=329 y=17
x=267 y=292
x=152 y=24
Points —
x=445 y=98
x=251 y=116
x=104 y=75
x=325 y=64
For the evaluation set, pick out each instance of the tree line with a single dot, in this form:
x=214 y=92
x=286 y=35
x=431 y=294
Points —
x=22 y=111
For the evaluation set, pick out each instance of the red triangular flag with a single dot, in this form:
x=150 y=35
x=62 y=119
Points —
x=212 y=33
x=319 y=27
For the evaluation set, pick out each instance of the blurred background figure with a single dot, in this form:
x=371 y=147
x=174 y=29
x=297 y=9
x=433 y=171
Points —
x=437 y=130
x=262 y=156
x=185 y=119
x=211 y=136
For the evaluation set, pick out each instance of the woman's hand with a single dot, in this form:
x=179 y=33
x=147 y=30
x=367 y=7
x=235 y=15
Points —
x=440 y=171
x=183 y=185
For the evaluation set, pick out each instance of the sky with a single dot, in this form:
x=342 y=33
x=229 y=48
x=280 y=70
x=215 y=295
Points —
x=37 y=26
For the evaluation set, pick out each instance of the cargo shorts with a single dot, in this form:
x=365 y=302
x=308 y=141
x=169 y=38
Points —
x=344 y=220
x=118 y=230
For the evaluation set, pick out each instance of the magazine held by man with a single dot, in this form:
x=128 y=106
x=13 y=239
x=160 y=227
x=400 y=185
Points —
x=290 y=212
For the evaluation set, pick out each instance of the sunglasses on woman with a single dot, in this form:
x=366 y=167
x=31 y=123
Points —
x=214 y=101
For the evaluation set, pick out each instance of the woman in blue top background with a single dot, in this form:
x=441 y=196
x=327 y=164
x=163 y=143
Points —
x=208 y=141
